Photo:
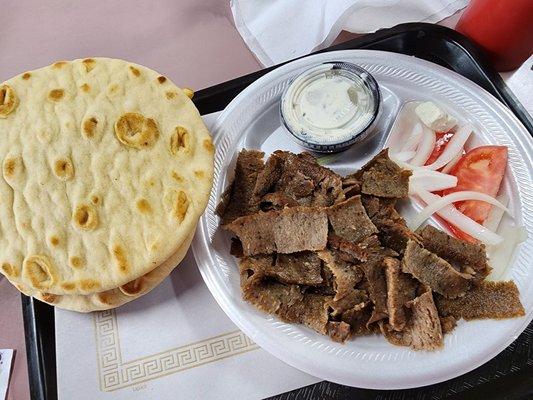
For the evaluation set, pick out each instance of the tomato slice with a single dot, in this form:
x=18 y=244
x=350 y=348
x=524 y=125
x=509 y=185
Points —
x=440 y=144
x=479 y=170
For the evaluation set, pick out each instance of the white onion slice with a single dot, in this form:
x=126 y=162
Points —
x=500 y=255
x=455 y=217
x=448 y=167
x=432 y=183
x=428 y=173
x=425 y=148
x=450 y=199
x=421 y=171
x=414 y=138
x=496 y=214
x=454 y=147
x=405 y=155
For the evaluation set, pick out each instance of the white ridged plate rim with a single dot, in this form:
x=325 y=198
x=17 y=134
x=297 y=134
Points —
x=372 y=362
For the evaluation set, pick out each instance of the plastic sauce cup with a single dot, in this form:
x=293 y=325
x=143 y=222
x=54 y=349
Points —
x=331 y=106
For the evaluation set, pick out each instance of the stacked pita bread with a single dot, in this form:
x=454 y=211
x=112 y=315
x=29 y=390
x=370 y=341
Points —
x=106 y=168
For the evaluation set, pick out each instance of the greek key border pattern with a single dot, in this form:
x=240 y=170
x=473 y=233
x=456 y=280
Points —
x=115 y=374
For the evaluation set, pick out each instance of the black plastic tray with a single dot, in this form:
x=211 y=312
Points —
x=508 y=376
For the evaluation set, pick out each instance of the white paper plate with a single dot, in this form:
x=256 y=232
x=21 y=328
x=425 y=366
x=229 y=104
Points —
x=252 y=121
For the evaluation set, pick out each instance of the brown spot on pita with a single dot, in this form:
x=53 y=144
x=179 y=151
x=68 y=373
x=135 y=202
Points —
x=54 y=240
x=63 y=169
x=135 y=71
x=161 y=79
x=85 y=217
x=10 y=166
x=88 y=284
x=49 y=297
x=10 y=270
x=85 y=87
x=144 y=206
x=105 y=297
x=179 y=140
x=39 y=271
x=176 y=177
x=75 y=262
x=89 y=64
x=59 y=64
x=133 y=287
x=208 y=145
x=88 y=127
x=199 y=174
x=95 y=199
x=120 y=258
x=188 y=92
x=8 y=100
x=137 y=131
x=26 y=76
x=56 y=94
x=181 y=205
x=170 y=95
x=68 y=286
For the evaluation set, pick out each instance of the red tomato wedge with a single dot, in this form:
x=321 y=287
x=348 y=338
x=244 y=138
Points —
x=479 y=170
x=440 y=144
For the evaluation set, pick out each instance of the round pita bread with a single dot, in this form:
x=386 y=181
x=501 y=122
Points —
x=114 y=297
x=106 y=168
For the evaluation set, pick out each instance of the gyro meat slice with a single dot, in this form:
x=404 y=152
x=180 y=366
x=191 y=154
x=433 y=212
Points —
x=494 y=300
x=394 y=234
x=270 y=174
x=356 y=252
x=374 y=273
x=286 y=231
x=435 y=272
x=423 y=330
x=401 y=289
x=384 y=178
x=301 y=178
x=345 y=278
x=463 y=256
x=350 y=221
x=303 y=268
x=239 y=198
x=289 y=304
x=339 y=331
x=357 y=317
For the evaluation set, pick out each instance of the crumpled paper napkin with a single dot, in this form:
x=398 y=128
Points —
x=280 y=30
x=6 y=359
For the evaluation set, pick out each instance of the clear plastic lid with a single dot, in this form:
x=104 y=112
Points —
x=330 y=106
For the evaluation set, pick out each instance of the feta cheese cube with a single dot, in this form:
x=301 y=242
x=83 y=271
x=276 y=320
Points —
x=434 y=118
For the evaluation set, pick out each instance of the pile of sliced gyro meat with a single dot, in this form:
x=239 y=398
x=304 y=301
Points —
x=334 y=254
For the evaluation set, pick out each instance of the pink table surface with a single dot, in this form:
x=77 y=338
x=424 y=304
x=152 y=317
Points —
x=193 y=42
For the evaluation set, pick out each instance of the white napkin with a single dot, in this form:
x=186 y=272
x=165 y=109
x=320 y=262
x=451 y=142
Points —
x=6 y=359
x=280 y=30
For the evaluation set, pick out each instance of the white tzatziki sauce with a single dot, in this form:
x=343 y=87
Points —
x=329 y=106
